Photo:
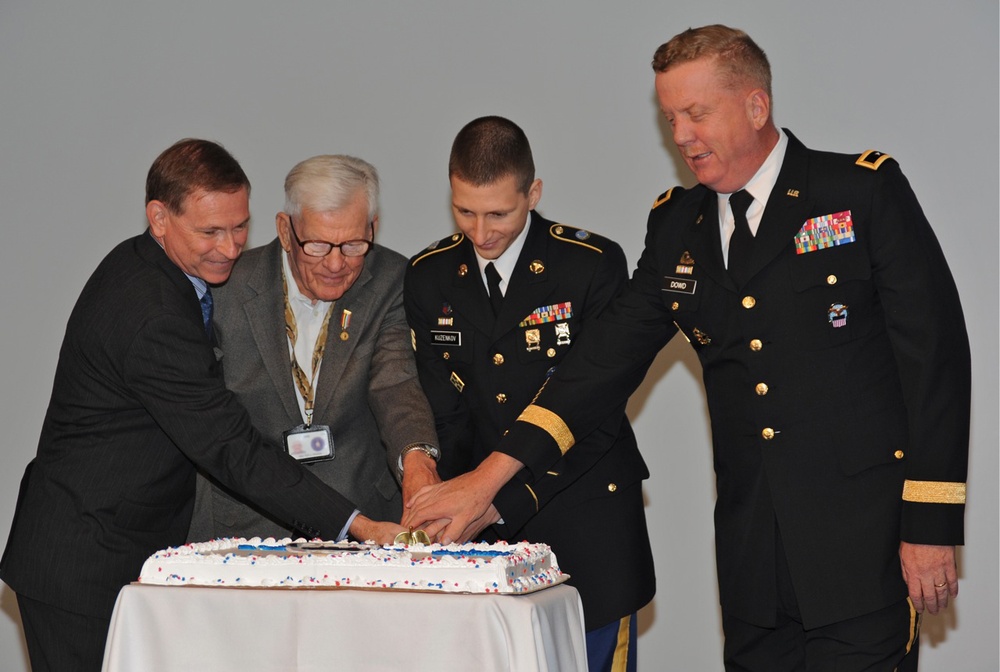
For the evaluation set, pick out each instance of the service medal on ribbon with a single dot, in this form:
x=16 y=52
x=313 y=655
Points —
x=820 y=233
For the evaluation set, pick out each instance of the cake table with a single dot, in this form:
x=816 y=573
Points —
x=178 y=629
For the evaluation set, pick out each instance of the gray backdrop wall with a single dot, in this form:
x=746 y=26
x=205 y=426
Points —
x=90 y=93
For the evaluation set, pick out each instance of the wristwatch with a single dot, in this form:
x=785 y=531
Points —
x=425 y=448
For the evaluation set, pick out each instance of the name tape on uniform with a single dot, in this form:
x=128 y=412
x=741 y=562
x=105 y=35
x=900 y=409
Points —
x=679 y=285
x=446 y=337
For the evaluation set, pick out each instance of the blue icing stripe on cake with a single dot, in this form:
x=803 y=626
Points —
x=254 y=547
x=471 y=554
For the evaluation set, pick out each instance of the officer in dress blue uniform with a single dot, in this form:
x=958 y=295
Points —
x=494 y=310
x=836 y=366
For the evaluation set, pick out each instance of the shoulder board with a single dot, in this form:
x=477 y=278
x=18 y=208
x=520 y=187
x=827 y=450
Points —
x=873 y=159
x=666 y=196
x=582 y=237
x=439 y=246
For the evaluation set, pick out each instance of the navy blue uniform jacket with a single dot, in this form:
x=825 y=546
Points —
x=480 y=371
x=838 y=382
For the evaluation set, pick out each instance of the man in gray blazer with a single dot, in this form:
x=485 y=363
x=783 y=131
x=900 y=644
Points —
x=317 y=348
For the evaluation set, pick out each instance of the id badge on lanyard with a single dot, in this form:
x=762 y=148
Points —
x=309 y=443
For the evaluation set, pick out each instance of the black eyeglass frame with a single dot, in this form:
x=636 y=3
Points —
x=340 y=246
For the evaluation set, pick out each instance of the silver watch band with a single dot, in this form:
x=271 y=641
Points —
x=428 y=450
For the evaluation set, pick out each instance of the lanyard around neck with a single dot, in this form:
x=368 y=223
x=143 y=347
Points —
x=306 y=386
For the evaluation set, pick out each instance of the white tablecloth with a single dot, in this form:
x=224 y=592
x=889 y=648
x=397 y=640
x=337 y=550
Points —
x=194 y=629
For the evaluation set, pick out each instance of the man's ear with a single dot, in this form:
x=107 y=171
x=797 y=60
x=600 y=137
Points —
x=283 y=223
x=158 y=216
x=534 y=193
x=758 y=108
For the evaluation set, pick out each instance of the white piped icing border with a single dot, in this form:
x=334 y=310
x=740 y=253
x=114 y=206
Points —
x=461 y=568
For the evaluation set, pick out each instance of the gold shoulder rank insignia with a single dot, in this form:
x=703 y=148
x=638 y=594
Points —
x=568 y=234
x=872 y=159
x=439 y=246
x=663 y=198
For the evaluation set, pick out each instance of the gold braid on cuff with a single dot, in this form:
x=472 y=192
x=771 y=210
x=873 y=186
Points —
x=533 y=496
x=551 y=423
x=933 y=492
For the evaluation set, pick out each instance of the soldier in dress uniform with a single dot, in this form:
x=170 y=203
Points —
x=494 y=310
x=836 y=366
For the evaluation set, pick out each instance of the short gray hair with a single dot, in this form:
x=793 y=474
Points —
x=325 y=183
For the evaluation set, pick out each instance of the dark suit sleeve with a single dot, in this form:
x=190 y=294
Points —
x=927 y=331
x=404 y=417
x=174 y=377
x=606 y=364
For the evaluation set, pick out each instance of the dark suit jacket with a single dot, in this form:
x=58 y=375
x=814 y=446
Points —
x=480 y=371
x=138 y=401
x=847 y=413
x=367 y=392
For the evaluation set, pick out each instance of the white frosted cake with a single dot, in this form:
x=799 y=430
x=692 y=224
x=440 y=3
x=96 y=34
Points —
x=458 y=568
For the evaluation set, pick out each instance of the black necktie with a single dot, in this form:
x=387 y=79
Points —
x=206 y=311
x=741 y=242
x=493 y=284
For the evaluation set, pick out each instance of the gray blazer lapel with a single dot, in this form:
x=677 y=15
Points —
x=265 y=313
x=358 y=299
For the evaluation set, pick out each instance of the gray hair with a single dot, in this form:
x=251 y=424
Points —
x=325 y=183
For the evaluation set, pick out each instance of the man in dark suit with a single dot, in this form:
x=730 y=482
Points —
x=138 y=401
x=359 y=381
x=484 y=350
x=836 y=365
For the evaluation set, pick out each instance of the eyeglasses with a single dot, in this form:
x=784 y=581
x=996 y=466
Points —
x=321 y=248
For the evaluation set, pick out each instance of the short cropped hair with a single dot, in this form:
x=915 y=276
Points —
x=740 y=59
x=489 y=149
x=326 y=183
x=191 y=165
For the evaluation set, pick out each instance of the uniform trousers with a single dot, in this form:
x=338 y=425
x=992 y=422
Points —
x=882 y=641
x=612 y=648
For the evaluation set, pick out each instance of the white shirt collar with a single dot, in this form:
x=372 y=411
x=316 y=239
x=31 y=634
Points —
x=296 y=297
x=759 y=186
x=506 y=262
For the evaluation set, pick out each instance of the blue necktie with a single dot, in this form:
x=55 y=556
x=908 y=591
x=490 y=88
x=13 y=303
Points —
x=206 y=311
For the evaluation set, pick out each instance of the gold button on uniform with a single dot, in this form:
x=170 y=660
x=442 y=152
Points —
x=768 y=433
x=446 y=355
x=831 y=279
x=501 y=398
x=898 y=454
x=675 y=305
x=749 y=302
x=761 y=389
x=612 y=487
x=498 y=359
x=756 y=345
x=551 y=352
